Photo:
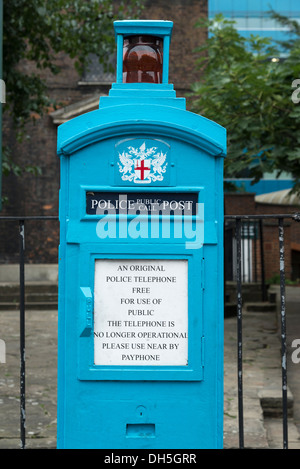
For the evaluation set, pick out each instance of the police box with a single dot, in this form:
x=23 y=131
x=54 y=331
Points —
x=140 y=321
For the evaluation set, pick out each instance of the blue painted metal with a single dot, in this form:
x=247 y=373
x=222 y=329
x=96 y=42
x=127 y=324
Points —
x=161 y=29
x=99 y=406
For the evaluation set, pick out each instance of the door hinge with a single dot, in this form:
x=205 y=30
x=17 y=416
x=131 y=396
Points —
x=87 y=309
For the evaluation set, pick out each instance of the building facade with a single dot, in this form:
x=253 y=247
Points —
x=29 y=195
x=252 y=17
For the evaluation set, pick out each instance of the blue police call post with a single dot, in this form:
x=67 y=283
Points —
x=140 y=324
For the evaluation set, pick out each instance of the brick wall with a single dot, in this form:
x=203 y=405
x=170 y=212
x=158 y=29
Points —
x=185 y=37
x=239 y=204
x=38 y=195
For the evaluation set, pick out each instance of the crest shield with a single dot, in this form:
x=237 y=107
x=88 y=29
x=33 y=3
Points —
x=142 y=169
x=143 y=164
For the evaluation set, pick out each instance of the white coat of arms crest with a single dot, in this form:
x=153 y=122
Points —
x=141 y=165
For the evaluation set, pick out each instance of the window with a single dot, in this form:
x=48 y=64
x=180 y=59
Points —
x=96 y=73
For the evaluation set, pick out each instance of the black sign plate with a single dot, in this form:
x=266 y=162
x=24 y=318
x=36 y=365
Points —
x=131 y=203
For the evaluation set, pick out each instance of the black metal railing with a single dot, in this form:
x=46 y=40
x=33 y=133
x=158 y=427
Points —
x=21 y=222
x=251 y=252
x=238 y=225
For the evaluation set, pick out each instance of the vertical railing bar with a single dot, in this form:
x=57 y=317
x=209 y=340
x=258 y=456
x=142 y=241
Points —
x=239 y=334
x=255 y=249
x=22 y=332
x=262 y=260
x=283 y=334
x=242 y=253
x=248 y=250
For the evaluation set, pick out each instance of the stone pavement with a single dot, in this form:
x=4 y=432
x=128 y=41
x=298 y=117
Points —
x=262 y=395
x=261 y=381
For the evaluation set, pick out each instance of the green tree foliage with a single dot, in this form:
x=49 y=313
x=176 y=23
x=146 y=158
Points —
x=250 y=94
x=37 y=30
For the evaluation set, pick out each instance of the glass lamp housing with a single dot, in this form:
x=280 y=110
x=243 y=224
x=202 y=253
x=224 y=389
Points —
x=142 y=59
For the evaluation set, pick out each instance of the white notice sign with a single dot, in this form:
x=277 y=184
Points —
x=141 y=312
